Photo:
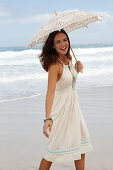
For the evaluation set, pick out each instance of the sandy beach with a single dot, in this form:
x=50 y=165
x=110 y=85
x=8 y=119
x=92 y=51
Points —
x=22 y=143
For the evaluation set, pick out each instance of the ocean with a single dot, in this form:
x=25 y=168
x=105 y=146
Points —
x=21 y=74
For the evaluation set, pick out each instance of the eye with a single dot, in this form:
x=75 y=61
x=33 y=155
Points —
x=65 y=39
x=57 y=41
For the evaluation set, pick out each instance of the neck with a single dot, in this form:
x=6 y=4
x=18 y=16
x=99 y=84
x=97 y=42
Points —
x=62 y=57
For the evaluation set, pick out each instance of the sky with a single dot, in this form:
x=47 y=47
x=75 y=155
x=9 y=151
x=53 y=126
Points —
x=20 y=19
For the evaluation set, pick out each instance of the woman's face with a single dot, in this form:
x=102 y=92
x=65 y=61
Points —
x=61 y=44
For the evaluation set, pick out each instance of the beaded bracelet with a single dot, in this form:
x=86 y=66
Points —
x=49 y=118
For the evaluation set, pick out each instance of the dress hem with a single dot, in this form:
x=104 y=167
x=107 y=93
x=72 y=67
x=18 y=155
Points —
x=67 y=157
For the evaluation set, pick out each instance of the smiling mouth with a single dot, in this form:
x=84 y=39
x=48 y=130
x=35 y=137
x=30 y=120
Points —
x=63 y=49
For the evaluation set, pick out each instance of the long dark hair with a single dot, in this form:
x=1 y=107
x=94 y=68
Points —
x=49 y=55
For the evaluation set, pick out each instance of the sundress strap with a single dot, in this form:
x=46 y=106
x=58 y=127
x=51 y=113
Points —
x=69 y=65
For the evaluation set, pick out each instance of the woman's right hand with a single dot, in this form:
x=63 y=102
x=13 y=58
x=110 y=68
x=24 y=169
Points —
x=47 y=124
x=79 y=66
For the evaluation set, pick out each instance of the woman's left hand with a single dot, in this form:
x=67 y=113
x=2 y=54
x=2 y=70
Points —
x=79 y=66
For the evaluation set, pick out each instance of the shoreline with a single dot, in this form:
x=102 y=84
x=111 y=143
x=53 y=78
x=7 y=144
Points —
x=36 y=95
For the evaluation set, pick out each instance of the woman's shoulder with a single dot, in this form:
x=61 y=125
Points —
x=54 y=67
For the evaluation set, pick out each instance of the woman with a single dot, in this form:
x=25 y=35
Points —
x=68 y=138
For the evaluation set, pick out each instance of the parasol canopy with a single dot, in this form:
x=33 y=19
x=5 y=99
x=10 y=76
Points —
x=68 y=21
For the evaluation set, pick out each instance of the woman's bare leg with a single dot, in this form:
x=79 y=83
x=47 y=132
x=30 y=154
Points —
x=44 y=164
x=80 y=164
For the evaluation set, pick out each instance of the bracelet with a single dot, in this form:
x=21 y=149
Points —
x=49 y=118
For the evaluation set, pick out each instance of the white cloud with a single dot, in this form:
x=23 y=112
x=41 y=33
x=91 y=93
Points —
x=34 y=19
x=41 y=18
x=106 y=16
x=3 y=12
x=27 y=20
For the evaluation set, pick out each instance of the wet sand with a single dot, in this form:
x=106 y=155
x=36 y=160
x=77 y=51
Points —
x=22 y=143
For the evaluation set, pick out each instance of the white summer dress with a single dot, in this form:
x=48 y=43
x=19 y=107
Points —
x=69 y=136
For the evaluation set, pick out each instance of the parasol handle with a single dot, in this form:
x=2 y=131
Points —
x=75 y=57
x=73 y=53
x=70 y=46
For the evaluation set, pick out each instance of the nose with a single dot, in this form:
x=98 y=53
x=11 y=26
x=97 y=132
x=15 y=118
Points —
x=62 y=44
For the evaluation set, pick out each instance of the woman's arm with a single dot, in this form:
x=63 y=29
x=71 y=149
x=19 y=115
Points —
x=52 y=79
